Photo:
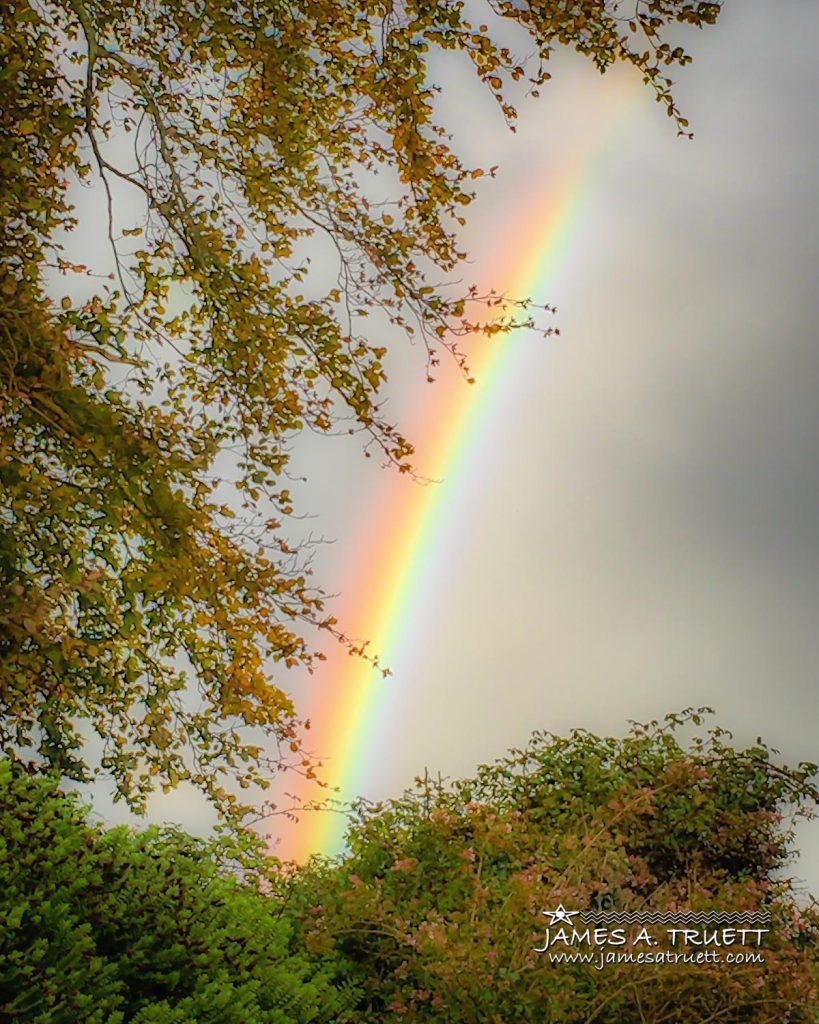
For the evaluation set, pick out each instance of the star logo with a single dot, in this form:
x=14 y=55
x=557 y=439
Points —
x=561 y=914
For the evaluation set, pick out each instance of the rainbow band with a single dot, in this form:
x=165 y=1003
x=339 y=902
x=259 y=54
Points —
x=395 y=582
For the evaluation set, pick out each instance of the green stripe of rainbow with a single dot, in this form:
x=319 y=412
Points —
x=392 y=573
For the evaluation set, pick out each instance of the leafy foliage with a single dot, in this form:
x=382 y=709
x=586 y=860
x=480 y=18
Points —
x=139 y=415
x=147 y=928
x=437 y=907
x=433 y=914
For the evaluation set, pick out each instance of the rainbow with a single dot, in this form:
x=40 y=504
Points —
x=410 y=524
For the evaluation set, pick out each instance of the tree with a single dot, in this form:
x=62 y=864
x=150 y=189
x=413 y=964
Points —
x=149 y=928
x=438 y=906
x=149 y=594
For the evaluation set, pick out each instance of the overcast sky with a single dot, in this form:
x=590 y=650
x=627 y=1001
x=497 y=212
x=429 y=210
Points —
x=643 y=529
x=641 y=532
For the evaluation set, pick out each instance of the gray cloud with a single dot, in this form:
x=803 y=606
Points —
x=648 y=537
x=642 y=534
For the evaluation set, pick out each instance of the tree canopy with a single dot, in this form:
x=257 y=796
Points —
x=152 y=927
x=438 y=906
x=435 y=914
x=150 y=593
